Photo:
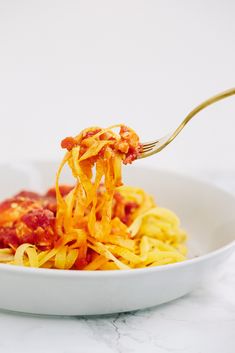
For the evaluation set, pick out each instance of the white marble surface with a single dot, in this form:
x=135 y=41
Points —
x=201 y=322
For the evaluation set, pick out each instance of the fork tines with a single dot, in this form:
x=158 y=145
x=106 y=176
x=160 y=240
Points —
x=148 y=146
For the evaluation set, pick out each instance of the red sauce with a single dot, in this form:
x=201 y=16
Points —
x=90 y=133
x=64 y=190
x=9 y=238
x=27 y=218
x=128 y=145
x=28 y=195
x=39 y=218
x=68 y=143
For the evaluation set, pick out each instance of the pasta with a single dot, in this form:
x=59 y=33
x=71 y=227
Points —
x=97 y=224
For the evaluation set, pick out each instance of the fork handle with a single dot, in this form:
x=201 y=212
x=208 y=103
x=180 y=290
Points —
x=203 y=105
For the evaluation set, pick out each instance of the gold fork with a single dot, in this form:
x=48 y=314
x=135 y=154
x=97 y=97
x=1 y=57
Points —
x=150 y=148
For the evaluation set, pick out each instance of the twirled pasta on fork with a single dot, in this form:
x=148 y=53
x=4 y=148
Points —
x=97 y=224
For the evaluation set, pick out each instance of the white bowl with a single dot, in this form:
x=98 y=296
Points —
x=207 y=213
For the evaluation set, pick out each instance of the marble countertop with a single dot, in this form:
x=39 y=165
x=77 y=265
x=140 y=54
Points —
x=201 y=322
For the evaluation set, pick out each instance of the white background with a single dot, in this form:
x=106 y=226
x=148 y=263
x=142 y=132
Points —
x=66 y=65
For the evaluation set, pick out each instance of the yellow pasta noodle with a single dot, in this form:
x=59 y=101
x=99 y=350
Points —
x=96 y=224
